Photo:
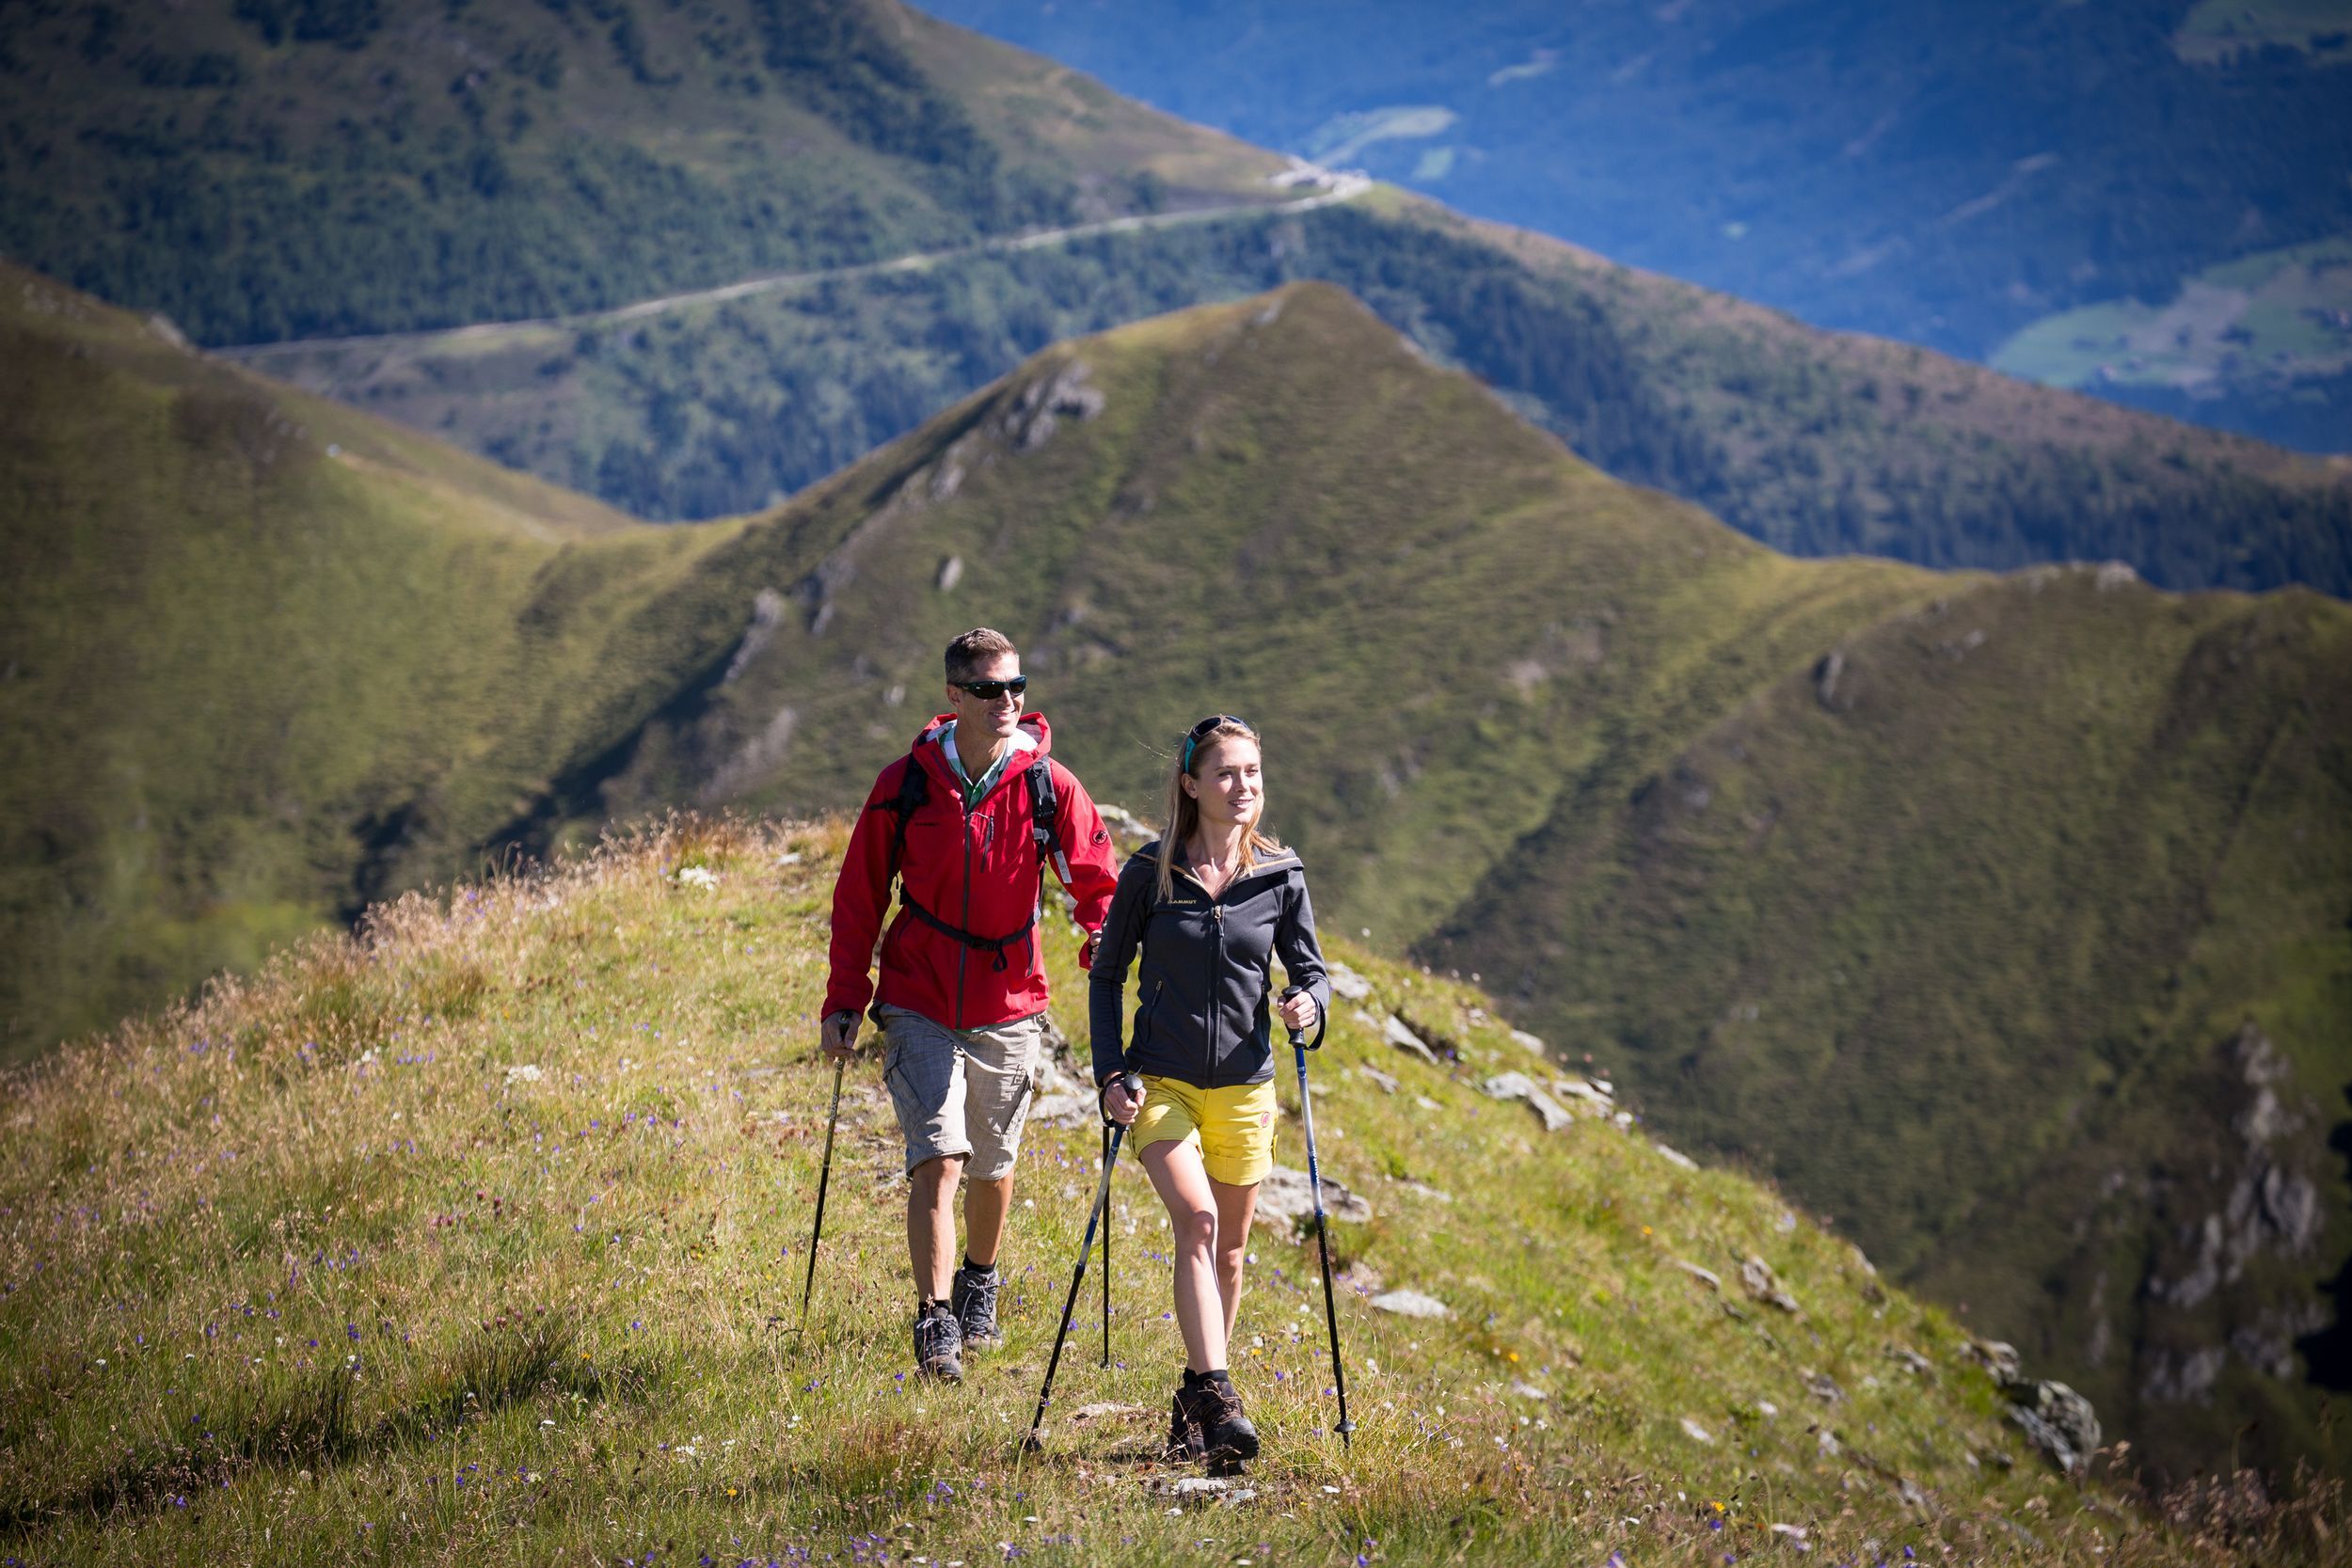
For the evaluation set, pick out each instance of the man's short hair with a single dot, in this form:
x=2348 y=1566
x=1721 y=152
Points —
x=976 y=647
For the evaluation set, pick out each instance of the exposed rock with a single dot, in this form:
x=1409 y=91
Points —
x=1521 y=1388
x=1284 y=1194
x=1041 y=406
x=1823 y=1387
x=1412 y=1303
x=1912 y=1361
x=2114 y=573
x=1593 y=1096
x=1346 y=983
x=2058 y=1421
x=2184 y=1379
x=1518 y=1085
x=950 y=573
x=1764 y=1284
x=768 y=608
x=1393 y=1030
x=1386 y=1081
x=1825 y=678
x=1697 y=1432
x=1526 y=1041
x=1676 y=1157
x=1108 y=1409
x=1994 y=1357
x=1709 y=1278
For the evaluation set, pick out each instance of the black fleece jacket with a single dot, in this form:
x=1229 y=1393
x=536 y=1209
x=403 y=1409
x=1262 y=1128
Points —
x=1202 y=989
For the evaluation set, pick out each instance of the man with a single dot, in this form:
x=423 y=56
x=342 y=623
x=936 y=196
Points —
x=962 y=992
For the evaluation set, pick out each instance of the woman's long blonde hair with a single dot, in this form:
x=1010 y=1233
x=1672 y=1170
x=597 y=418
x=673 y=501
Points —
x=1184 y=811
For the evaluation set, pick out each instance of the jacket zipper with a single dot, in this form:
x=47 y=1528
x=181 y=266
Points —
x=1216 y=967
x=1150 y=1010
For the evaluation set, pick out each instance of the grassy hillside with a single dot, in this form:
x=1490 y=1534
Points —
x=481 y=1238
x=1948 y=174
x=1992 y=873
x=272 y=168
x=259 y=647
x=1841 y=862
x=1814 y=442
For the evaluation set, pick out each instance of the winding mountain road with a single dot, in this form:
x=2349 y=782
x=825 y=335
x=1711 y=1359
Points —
x=1331 y=189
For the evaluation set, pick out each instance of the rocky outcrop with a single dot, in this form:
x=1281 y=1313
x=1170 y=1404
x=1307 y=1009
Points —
x=2057 y=1421
x=1037 y=411
x=1285 y=1195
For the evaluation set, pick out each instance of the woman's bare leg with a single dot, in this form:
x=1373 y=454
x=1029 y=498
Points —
x=1235 y=1208
x=1201 y=1315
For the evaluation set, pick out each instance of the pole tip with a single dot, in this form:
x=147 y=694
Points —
x=1031 y=1444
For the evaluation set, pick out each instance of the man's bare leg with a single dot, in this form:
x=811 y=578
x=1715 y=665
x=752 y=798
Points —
x=931 y=1225
x=986 y=1207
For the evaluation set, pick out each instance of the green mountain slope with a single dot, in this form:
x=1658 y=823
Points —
x=272 y=168
x=481 y=1239
x=2013 y=895
x=257 y=647
x=1929 y=893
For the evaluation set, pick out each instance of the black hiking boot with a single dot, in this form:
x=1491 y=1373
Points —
x=974 y=1302
x=938 y=1343
x=1227 y=1438
x=1184 y=1444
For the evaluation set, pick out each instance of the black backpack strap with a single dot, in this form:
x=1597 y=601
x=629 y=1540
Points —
x=1044 y=809
x=915 y=787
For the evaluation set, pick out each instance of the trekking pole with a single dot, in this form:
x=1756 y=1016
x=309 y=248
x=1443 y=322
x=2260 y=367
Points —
x=1323 y=1238
x=824 y=1179
x=1107 y=1251
x=1077 y=1277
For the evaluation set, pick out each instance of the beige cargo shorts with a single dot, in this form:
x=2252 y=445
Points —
x=960 y=1091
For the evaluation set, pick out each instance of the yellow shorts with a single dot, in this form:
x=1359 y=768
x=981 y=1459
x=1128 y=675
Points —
x=1232 y=1126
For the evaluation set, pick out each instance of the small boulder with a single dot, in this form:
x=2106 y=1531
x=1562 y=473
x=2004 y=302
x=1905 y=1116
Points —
x=1695 y=1432
x=1996 y=1357
x=1345 y=983
x=1707 y=1278
x=1518 y=1085
x=1284 y=1194
x=1386 y=1081
x=1412 y=1303
x=1765 y=1286
x=1526 y=1041
x=2058 y=1421
x=1676 y=1157
x=1393 y=1030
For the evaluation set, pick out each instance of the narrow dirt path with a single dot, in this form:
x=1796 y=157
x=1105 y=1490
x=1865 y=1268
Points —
x=1343 y=187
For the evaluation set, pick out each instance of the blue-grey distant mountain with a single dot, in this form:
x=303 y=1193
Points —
x=1952 y=172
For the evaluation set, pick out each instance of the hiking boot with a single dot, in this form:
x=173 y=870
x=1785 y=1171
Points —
x=1184 y=1430
x=938 y=1343
x=974 y=1300
x=1227 y=1437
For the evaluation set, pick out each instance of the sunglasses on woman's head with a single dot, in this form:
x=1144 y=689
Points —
x=1201 y=731
x=988 y=691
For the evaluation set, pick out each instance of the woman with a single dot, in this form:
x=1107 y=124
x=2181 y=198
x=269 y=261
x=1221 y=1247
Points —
x=1209 y=907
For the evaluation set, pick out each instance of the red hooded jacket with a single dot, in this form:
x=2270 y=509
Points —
x=975 y=870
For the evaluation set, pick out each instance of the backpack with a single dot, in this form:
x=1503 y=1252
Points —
x=914 y=788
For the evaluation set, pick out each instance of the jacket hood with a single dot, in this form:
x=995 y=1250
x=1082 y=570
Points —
x=927 y=751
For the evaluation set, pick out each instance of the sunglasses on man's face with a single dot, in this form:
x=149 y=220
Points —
x=988 y=691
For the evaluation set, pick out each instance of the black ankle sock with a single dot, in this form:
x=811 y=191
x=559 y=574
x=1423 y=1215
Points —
x=1220 y=1375
x=970 y=1267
